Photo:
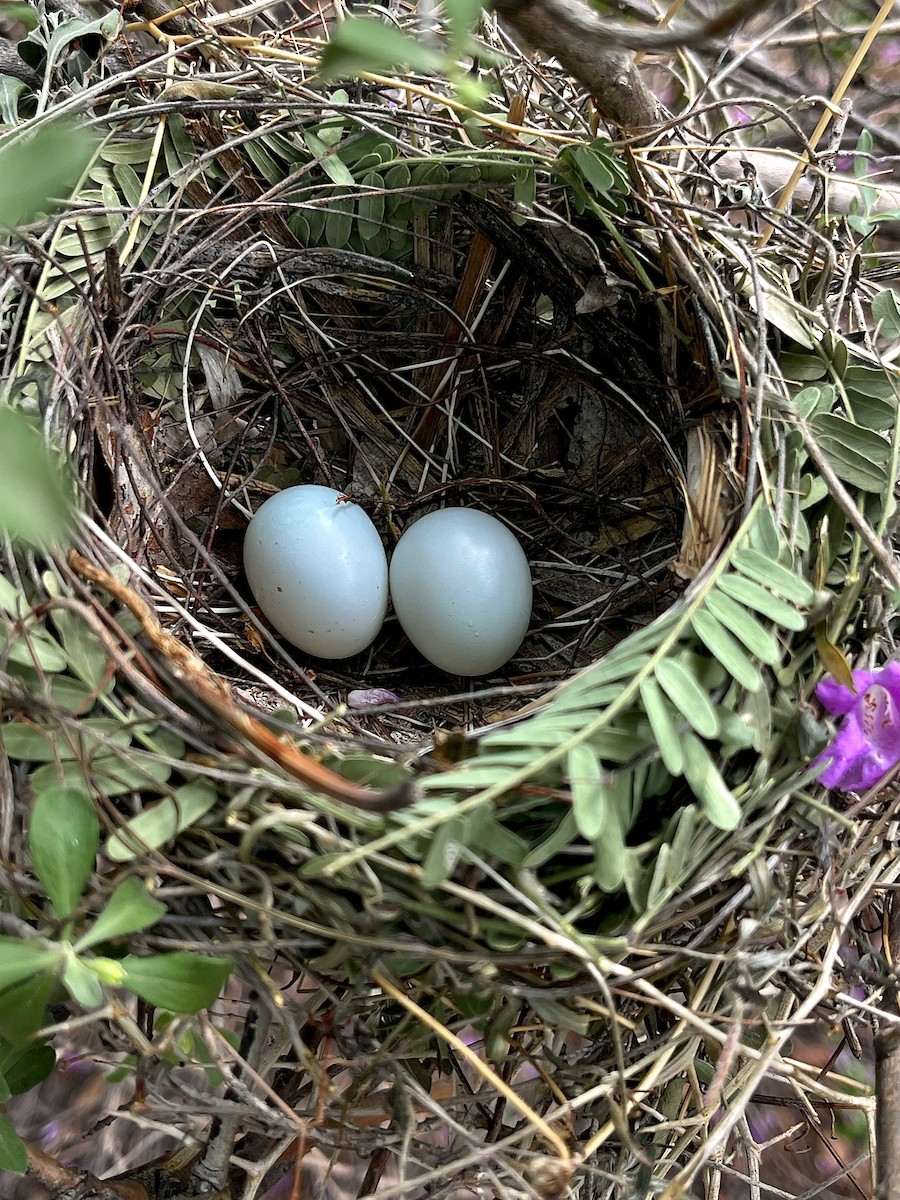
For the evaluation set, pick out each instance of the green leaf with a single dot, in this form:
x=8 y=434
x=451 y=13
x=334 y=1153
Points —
x=802 y=367
x=473 y=780
x=23 y=1006
x=871 y=381
x=397 y=178
x=370 y=207
x=36 y=497
x=774 y=576
x=433 y=176
x=61 y=690
x=662 y=722
x=41 y=169
x=609 y=858
x=708 y=785
x=744 y=626
x=444 y=851
x=87 y=655
x=63 y=838
x=27 y=1067
x=32 y=646
x=270 y=170
x=27 y=743
x=558 y=839
x=814 y=400
x=594 y=169
x=687 y=695
x=525 y=189
x=331 y=130
x=20 y=959
x=886 y=311
x=10 y=91
x=336 y=170
x=858 y=456
x=501 y=843
x=871 y=412
x=683 y=844
x=36 y=743
x=12 y=601
x=735 y=731
x=754 y=595
x=76 y=28
x=589 y=801
x=558 y=1015
x=765 y=536
x=339 y=221
x=179 y=982
x=106 y=774
x=13 y=1152
x=161 y=822
x=720 y=643
x=461 y=16
x=129 y=909
x=81 y=982
x=360 y=46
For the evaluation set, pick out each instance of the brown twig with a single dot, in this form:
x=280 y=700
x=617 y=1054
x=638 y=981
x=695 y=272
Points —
x=578 y=37
x=79 y=1185
x=887 y=1068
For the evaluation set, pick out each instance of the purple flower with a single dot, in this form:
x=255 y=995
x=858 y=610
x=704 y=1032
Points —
x=867 y=744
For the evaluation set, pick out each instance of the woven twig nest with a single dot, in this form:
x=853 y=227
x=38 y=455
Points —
x=590 y=934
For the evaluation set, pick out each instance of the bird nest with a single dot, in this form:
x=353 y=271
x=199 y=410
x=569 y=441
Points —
x=545 y=929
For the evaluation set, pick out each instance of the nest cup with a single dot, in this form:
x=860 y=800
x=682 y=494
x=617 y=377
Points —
x=561 y=422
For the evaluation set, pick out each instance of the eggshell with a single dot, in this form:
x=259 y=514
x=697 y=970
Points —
x=317 y=568
x=461 y=589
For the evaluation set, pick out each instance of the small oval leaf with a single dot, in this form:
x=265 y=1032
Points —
x=63 y=839
x=708 y=785
x=129 y=909
x=13 y=1152
x=662 y=722
x=179 y=982
x=744 y=626
x=688 y=697
x=589 y=802
x=161 y=822
x=720 y=643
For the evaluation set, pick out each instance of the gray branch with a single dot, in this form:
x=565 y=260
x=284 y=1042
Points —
x=12 y=64
x=580 y=39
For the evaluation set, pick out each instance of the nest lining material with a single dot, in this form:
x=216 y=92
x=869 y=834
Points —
x=500 y=899
x=536 y=414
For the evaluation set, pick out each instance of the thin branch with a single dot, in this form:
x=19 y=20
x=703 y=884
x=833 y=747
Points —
x=65 y=1181
x=887 y=1070
x=580 y=39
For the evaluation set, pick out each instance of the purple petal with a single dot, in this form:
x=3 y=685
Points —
x=838 y=699
x=878 y=716
x=846 y=751
x=867 y=744
x=889 y=677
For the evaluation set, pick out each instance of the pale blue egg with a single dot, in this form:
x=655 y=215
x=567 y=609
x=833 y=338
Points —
x=317 y=569
x=462 y=590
